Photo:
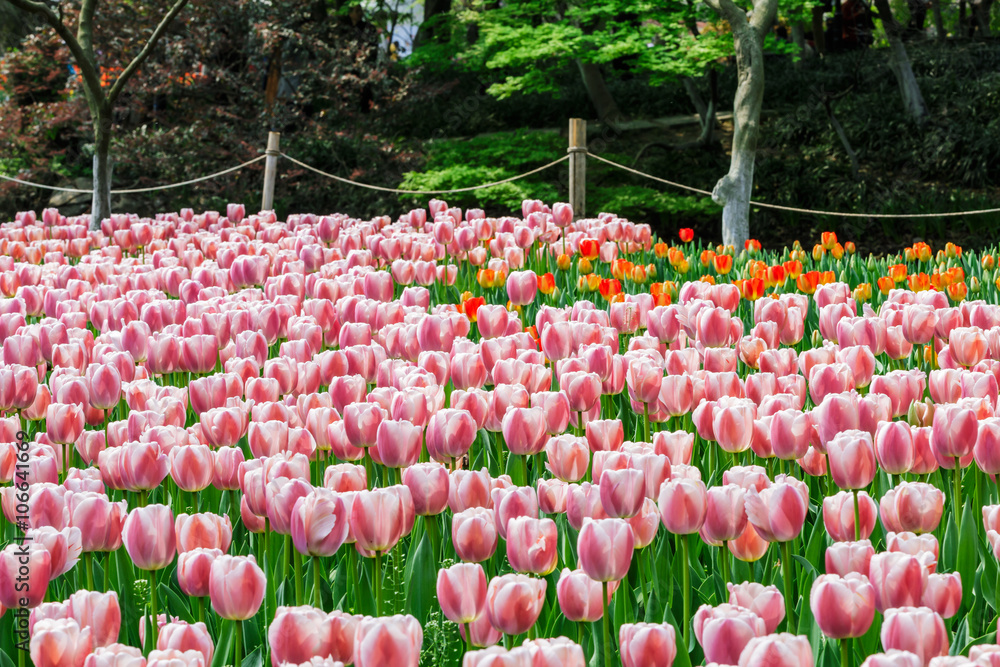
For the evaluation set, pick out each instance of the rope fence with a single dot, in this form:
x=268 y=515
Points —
x=577 y=154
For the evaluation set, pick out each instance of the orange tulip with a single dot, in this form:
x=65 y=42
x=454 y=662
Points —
x=752 y=246
x=708 y=279
x=471 y=306
x=590 y=248
x=485 y=278
x=723 y=264
x=930 y=356
x=953 y=251
x=837 y=251
x=922 y=251
x=661 y=249
x=818 y=252
x=609 y=287
x=898 y=273
x=752 y=289
x=807 y=282
x=563 y=262
x=686 y=234
x=885 y=283
x=638 y=274
x=829 y=239
x=919 y=282
x=546 y=283
x=849 y=247
x=988 y=262
x=958 y=291
x=651 y=271
x=675 y=256
x=776 y=275
x=827 y=277
x=909 y=254
x=957 y=274
x=682 y=266
x=584 y=266
x=621 y=268
x=793 y=268
x=863 y=292
x=707 y=256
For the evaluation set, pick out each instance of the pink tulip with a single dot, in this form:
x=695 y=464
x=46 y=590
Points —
x=450 y=433
x=319 y=523
x=845 y=557
x=182 y=636
x=899 y=580
x=280 y=496
x=474 y=534
x=894 y=658
x=203 y=531
x=725 y=515
x=428 y=484
x=399 y=443
x=567 y=457
x=461 y=592
x=193 y=570
x=469 y=488
x=298 y=634
x=532 y=545
x=724 y=631
x=647 y=644
x=522 y=287
x=967 y=345
x=915 y=629
x=767 y=602
x=683 y=505
x=579 y=597
x=916 y=506
x=236 y=587
x=778 y=512
x=778 y=650
x=149 y=538
x=924 y=547
x=394 y=640
x=943 y=593
x=17 y=588
x=851 y=456
x=192 y=467
x=838 y=516
x=622 y=492
x=837 y=413
x=99 y=520
x=843 y=607
x=791 y=433
x=64 y=423
x=552 y=495
x=732 y=424
x=514 y=602
x=377 y=519
x=60 y=643
x=643 y=378
x=955 y=431
x=894 y=447
x=605 y=548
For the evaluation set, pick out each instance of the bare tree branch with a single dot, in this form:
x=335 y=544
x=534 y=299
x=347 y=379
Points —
x=123 y=78
x=91 y=79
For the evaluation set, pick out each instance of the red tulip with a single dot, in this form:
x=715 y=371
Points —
x=461 y=592
x=514 y=602
x=843 y=607
x=918 y=630
x=236 y=587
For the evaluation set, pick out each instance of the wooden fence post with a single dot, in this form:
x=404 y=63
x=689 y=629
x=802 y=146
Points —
x=578 y=166
x=270 y=171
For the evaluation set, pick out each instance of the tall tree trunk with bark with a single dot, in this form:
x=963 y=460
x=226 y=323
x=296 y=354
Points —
x=899 y=61
x=734 y=189
x=100 y=101
x=597 y=90
x=942 y=34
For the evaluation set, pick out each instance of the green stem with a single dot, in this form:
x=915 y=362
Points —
x=286 y=566
x=468 y=637
x=724 y=557
x=317 y=586
x=645 y=422
x=154 y=630
x=88 y=559
x=686 y=569
x=786 y=566
x=604 y=624
x=845 y=652
x=377 y=577
x=352 y=573
x=958 y=494
x=857 y=517
x=297 y=557
x=201 y=609
x=430 y=525
x=238 y=644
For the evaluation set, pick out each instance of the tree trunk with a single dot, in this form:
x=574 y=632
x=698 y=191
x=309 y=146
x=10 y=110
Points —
x=733 y=191
x=604 y=103
x=799 y=39
x=706 y=112
x=981 y=11
x=432 y=8
x=101 y=202
x=899 y=61
x=942 y=34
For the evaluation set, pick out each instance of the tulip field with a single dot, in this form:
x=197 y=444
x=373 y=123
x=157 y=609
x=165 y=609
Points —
x=531 y=441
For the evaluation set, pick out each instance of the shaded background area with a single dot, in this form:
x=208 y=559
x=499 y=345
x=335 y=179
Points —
x=345 y=103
